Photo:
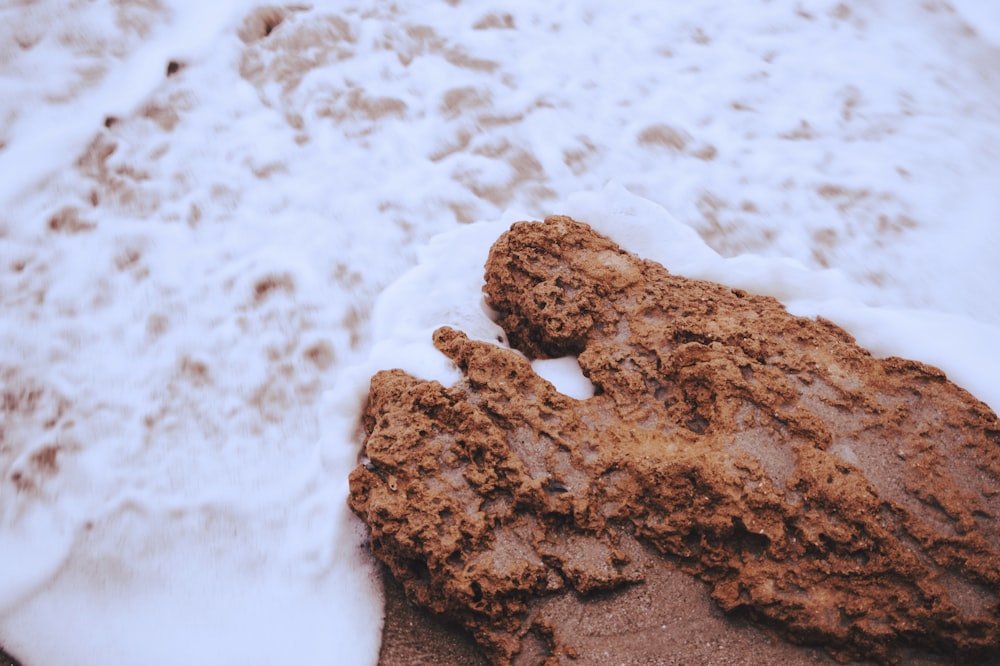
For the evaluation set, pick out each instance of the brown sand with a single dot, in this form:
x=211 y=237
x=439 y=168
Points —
x=667 y=621
x=826 y=496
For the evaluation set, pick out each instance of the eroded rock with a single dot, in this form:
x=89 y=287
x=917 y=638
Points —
x=835 y=498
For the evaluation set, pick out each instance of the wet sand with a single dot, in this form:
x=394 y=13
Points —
x=667 y=621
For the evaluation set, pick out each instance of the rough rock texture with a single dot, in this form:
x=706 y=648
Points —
x=832 y=497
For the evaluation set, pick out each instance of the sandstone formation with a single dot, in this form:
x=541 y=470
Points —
x=835 y=498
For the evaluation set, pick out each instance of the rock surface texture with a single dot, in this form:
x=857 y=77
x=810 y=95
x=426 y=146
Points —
x=828 y=496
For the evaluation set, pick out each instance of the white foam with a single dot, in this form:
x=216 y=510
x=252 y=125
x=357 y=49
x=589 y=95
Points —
x=565 y=375
x=983 y=17
x=182 y=32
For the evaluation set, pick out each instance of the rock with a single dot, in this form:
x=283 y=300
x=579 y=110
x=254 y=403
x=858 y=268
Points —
x=834 y=498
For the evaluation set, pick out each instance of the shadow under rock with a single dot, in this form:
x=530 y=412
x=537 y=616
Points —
x=414 y=636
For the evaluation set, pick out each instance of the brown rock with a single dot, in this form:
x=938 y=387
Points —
x=831 y=497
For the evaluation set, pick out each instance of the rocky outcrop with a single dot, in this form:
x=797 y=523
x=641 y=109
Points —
x=835 y=498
